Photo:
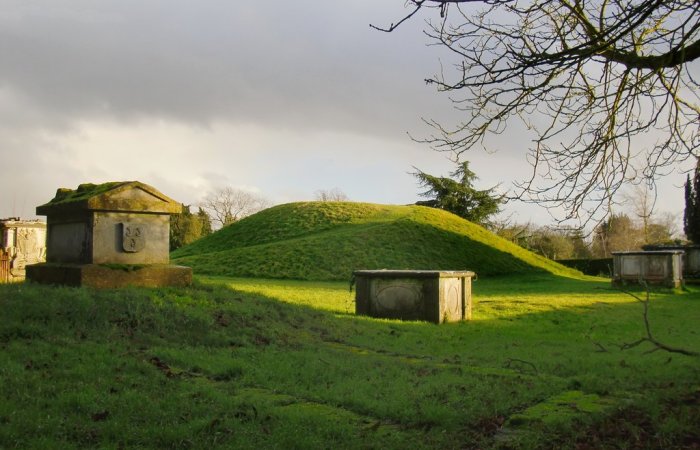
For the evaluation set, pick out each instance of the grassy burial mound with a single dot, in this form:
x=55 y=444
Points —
x=328 y=240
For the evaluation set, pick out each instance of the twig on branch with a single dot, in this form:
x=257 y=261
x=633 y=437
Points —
x=392 y=27
x=516 y=364
x=442 y=4
x=600 y=346
x=649 y=337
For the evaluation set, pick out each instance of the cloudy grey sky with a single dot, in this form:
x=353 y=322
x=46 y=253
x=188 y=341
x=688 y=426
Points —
x=282 y=98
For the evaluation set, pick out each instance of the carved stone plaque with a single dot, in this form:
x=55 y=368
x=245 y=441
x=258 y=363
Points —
x=398 y=297
x=133 y=237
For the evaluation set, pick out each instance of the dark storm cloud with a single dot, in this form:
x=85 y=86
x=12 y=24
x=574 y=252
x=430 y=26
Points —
x=283 y=97
x=308 y=64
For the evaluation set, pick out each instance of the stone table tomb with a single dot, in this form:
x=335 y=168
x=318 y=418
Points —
x=22 y=242
x=691 y=258
x=431 y=295
x=653 y=267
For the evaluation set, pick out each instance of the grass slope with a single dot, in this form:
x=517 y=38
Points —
x=328 y=240
x=251 y=364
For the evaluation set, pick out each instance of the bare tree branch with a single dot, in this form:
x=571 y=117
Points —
x=607 y=90
x=649 y=337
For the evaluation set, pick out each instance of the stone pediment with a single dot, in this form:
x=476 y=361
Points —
x=127 y=196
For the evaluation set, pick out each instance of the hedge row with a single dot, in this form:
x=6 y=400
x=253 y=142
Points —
x=600 y=266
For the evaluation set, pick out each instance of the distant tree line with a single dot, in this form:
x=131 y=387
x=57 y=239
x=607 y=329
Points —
x=187 y=227
x=618 y=233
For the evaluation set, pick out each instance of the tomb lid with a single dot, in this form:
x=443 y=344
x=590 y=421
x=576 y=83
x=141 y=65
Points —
x=649 y=252
x=387 y=273
x=16 y=222
x=657 y=247
x=118 y=196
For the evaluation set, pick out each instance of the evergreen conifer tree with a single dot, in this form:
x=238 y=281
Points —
x=205 y=220
x=458 y=195
x=691 y=217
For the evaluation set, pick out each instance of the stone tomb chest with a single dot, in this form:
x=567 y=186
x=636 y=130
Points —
x=654 y=267
x=109 y=235
x=691 y=257
x=22 y=242
x=430 y=295
x=691 y=261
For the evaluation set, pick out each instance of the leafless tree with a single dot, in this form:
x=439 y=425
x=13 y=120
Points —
x=642 y=200
x=331 y=195
x=227 y=205
x=655 y=227
x=608 y=89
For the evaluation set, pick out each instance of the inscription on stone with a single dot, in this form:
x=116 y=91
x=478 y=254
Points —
x=133 y=237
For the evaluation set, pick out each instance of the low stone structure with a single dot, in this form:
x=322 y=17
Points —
x=22 y=242
x=431 y=295
x=653 y=267
x=691 y=257
x=109 y=235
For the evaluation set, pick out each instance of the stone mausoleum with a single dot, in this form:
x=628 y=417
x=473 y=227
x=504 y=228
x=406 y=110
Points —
x=22 y=242
x=109 y=235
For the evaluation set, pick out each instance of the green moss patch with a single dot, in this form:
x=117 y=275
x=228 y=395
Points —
x=562 y=408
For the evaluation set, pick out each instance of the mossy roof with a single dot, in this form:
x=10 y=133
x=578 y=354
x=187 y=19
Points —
x=110 y=197
x=83 y=192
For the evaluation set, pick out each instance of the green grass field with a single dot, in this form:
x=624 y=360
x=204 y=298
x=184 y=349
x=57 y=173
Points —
x=246 y=363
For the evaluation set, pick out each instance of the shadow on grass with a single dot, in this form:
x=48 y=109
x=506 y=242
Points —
x=573 y=319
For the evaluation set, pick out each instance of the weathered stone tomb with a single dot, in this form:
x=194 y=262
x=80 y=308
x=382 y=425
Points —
x=431 y=295
x=653 y=267
x=109 y=235
x=691 y=257
x=22 y=242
